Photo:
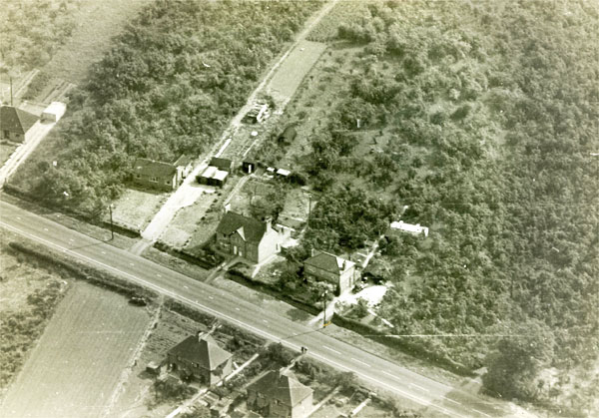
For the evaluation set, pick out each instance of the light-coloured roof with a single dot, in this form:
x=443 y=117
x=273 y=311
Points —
x=283 y=172
x=410 y=228
x=56 y=108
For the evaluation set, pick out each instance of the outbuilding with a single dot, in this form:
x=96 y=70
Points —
x=54 y=112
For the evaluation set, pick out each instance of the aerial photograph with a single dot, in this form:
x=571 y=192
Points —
x=299 y=208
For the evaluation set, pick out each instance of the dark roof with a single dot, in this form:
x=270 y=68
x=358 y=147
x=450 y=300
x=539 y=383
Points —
x=182 y=161
x=16 y=120
x=201 y=350
x=147 y=167
x=251 y=230
x=222 y=163
x=328 y=262
x=282 y=387
x=289 y=133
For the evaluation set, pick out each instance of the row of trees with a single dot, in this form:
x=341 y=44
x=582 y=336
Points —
x=168 y=86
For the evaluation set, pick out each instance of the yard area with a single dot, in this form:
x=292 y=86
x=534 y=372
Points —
x=6 y=150
x=135 y=208
x=85 y=348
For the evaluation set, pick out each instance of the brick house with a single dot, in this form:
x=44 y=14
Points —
x=279 y=394
x=246 y=237
x=200 y=358
x=15 y=123
x=323 y=266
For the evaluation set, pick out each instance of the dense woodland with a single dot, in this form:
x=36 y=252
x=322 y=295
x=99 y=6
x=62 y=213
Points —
x=31 y=31
x=169 y=86
x=492 y=111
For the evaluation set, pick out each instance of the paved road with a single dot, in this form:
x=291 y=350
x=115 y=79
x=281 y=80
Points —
x=436 y=399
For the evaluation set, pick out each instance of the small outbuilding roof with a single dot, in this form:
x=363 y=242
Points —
x=16 y=120
x=221 y=163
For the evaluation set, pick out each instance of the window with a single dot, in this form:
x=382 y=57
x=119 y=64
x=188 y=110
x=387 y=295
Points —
x=137 y=176
x=7 y=134
x=154 y=179
x=167 y=182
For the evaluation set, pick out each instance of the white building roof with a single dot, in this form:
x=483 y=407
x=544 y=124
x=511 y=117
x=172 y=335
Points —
x=410 y=228
x=283 y=172
x=56 y=108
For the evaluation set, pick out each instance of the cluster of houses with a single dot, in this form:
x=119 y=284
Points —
x=277 y=393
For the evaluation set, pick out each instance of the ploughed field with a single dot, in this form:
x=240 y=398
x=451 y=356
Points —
x=79 y=359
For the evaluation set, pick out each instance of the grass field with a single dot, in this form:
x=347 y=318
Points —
x=292 y=71
x=135 y=208
x=75 y=367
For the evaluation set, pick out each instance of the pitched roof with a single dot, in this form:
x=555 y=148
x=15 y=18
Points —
x=329 y=262
x=147 y=167
x=282 y=387
x=16 y=120
x=201 y=350
x=182 y=161
x=251 y=230
x=221 y=163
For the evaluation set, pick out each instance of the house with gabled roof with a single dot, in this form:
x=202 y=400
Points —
x=248 y=238
x=15 y=123
x=160 y=175
x=323 y=266
x=280 y=394
x=200 y=357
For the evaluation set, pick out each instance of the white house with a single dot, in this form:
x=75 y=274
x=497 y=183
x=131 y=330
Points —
x=401 y=226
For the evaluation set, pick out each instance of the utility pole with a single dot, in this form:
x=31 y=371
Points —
x=10 y=78
x=324 y=309
x=111 y=226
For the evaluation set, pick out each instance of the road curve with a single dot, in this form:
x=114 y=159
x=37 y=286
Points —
x=417 y=391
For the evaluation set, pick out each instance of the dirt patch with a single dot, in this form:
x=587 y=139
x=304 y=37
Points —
x=84 y=349
x=292 y=71
x=135 y=208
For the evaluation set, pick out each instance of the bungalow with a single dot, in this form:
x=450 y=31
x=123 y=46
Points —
x=400 y=227
x=15 y=123
x=200 y=357
x=323 y=266
x=246 y=237
x=279 y=394
x=157 y=174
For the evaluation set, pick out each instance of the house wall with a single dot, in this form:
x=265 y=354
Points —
x=12 y=136
x=269 y=245
x=226 y=369
x=276 y=409
x=165 y=183
x=187 y=368
x=303 y=408
x=344 y=282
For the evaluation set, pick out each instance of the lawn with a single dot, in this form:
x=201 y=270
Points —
x=292 y=71
x=6 y=150
x=77 y=364
x=135 y=208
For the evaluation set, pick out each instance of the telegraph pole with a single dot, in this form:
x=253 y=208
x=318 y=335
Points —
x=111 y=225
x=324 y=309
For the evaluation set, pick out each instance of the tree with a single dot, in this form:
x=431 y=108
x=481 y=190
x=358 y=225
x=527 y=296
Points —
x=512 y=368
